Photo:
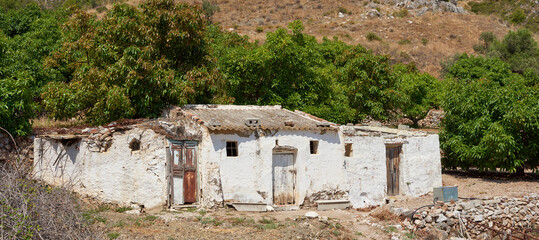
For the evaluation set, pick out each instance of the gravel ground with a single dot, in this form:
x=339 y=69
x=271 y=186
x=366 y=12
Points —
x=337 y=224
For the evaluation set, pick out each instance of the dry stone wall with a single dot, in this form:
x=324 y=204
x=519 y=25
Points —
x=478 y=218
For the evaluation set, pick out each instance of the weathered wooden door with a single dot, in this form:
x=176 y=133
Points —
x=284 y=176
x=190 y=174
x=392 y=162
x=184 y=172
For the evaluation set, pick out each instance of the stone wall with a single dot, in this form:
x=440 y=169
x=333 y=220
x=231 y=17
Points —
x=478 y=218
x=8 y=150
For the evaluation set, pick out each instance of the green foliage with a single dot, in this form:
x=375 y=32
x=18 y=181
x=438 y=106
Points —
x=113 y=235
x=372 y=37
x=122 y=209
x=209 y=9
x=259 y=29
x=344 y=10
x=401 y=13
x=16 y=104
x=31 y=34
x=520 y=12
x=424 y=41
x=404 y=42
x=518 y=48
x=132 y=63
x=418 y=93
x=491 y=116
x=14 y=4
x=518 y=16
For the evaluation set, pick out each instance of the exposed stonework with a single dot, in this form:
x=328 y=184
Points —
x=477 y=218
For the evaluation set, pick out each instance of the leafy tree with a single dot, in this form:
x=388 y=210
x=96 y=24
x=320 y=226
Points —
x=491 y=116
x=14 y=4
x=418 y=92
x=32 y=34
x=132 y=63
x=368 y=82
x=518 y=48
x=285 y=70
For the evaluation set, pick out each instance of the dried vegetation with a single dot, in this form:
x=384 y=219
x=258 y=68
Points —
x=30 y=209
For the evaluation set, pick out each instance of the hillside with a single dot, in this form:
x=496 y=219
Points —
x=426 y=39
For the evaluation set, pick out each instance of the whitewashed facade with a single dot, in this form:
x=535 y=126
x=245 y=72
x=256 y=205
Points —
x=216 y=154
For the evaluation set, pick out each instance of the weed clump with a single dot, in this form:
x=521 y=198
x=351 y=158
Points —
x=373 y=37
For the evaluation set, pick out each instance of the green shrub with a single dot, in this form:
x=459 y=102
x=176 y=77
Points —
x=424 y=41
x=518 y=16
x=344 y=10
x=259 y=29
x=401 y=13
x=372 y=37
x=113 y=235
x=122 y=209
x=209 y=9
x=404 y=42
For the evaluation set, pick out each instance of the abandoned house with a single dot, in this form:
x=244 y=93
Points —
x=211 y=155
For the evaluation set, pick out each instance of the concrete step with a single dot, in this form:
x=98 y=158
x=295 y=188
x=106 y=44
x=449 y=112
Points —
x=249 y=207
x=332 y=204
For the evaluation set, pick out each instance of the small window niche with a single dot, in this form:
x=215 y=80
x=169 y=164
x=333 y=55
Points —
x=231 y=148
x=348 y=150
x=134 y=144
x=314 y=147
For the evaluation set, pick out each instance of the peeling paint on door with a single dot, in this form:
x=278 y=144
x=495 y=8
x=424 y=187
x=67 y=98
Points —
x=184 y=172
x=393 y=162
x=284 y=176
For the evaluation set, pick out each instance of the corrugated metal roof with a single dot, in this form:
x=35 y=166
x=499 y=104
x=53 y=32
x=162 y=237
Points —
x=234 y=117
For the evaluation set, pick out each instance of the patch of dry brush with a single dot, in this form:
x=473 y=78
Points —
x=30 y=209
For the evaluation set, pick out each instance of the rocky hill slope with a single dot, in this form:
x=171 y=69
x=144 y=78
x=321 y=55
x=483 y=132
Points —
x=423 y=31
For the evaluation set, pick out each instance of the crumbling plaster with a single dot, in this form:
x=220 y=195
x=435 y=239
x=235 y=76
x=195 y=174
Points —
x=116 y=175
x=248 y=177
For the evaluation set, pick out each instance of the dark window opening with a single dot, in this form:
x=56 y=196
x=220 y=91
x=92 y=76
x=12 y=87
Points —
x=348 y=150
x=314 y=147
x=231 y=149
x=134 y=144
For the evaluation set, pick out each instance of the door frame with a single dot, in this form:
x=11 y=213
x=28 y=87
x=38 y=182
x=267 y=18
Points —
x=279 y=150
x=170 y=169
x=398 y=172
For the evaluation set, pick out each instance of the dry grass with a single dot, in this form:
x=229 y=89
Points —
x=383 y=214
x=50 y=123
x=30 y=209
x=446 y=33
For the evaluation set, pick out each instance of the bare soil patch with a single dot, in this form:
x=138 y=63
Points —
x=376 y=223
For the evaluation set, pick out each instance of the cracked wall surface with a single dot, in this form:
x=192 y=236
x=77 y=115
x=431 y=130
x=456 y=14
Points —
x=103 y=166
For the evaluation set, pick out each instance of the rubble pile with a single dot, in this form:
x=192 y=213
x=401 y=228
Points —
x=433 y=119
x=477 y=218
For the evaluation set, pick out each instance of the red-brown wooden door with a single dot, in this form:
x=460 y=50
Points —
x=190 y=174
x=184 y=172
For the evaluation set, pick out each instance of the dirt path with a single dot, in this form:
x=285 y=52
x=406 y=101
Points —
x=336 y=224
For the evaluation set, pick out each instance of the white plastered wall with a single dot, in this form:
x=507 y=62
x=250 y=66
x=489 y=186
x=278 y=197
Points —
x=248 y=177
x=366 y=170
x=362 y=176
x=117 y=175
x=421 y=168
